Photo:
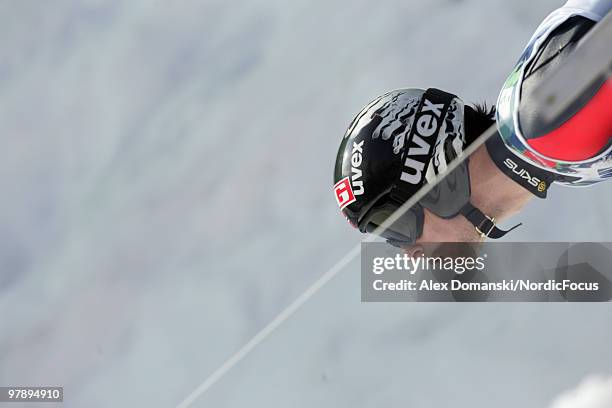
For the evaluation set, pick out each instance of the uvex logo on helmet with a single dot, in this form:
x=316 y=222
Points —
x=349 y=187
x=427 y=124
x=356 y=159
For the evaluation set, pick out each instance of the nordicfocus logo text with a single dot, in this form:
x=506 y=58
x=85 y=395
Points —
x=524 y=174
x=356 y=159
x=426 y=125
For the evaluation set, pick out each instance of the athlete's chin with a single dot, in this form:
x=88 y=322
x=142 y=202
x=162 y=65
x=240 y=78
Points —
x=444 y=249
x=414 y=251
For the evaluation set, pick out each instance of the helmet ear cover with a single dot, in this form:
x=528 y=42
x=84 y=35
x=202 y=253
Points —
x=447 y=198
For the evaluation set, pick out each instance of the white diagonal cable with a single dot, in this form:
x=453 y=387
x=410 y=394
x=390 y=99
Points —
x=268 y=329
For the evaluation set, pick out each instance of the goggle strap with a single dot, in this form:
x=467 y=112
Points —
x=402 y=190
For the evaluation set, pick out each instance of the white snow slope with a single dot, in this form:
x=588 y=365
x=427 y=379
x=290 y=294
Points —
x=166 y=190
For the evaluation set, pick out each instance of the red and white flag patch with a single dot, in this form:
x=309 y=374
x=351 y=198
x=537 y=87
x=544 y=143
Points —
x=344 y=192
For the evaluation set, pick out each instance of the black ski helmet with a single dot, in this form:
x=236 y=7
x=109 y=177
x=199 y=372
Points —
x=396 y=144
x=370 y=156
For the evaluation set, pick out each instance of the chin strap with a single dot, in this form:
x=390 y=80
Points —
x=485 y=225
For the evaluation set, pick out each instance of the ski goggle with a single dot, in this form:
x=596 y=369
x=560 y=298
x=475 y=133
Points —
x=446 y=199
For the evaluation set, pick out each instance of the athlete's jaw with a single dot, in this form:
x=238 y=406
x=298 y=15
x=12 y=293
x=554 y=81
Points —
x=456 y=229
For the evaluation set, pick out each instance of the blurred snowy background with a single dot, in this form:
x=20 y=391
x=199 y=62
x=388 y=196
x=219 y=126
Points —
x=166 y=190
